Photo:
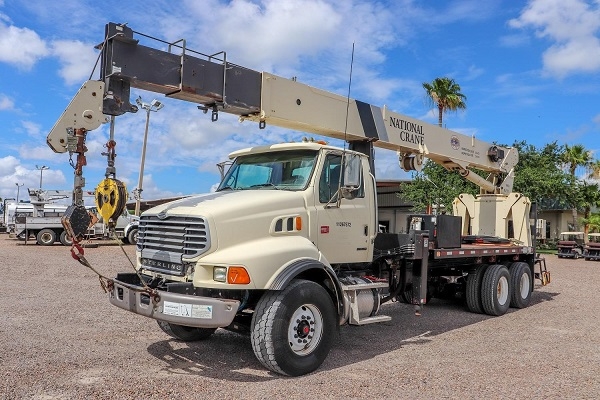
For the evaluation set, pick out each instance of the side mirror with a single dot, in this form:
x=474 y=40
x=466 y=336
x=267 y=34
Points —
x=351 y=175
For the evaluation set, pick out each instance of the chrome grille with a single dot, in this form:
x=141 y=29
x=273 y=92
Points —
x=180 y=238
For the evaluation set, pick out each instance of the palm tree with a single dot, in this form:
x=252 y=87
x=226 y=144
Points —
x=594 y=170
x=573 y=157
x=589 y=195
x=576 y=156
x=445 y=94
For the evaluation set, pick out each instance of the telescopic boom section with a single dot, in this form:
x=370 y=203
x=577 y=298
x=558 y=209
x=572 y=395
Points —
x=217 y=85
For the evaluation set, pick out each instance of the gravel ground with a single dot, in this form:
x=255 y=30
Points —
x=61 y=339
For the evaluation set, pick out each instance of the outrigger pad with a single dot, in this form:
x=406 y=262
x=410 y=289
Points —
x=76 y=220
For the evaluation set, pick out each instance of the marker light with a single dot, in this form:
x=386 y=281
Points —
x=238 y=275
x=298 y=223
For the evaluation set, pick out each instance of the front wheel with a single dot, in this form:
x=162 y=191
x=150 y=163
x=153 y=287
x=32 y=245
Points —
x=185 y=333
x=293 y=329
x=132 y=236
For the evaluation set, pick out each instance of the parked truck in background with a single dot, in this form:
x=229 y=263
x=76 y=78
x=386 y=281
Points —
x=41 y=219
x=288 y=247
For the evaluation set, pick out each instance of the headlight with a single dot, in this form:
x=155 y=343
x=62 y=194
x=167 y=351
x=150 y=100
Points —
x=220 y=274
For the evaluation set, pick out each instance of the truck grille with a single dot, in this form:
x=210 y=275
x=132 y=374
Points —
x=172 y=238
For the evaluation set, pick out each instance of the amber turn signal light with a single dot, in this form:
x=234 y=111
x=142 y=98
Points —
x=238 y=276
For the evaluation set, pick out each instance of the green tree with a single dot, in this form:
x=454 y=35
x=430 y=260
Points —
x=445 y=94
x=593 y=223
x=574 y=157
x=539 y=175
x=594 y=170
x=433 y=186
x=588 y=196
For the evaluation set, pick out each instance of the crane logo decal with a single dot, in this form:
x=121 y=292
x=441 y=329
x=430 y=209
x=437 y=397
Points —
x=410 y=132
x=454 y=142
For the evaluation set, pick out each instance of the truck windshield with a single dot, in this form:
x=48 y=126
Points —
x=286 y=170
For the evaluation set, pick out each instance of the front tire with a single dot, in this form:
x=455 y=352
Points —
x=132 y=236
x=185 y=333
x=520 y=284
x=293 y=329
x=495 y=290
x=46 y=237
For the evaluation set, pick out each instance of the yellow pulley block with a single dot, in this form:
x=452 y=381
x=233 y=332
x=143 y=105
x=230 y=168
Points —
x=111 y=199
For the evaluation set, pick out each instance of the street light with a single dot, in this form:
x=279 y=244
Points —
x=19 y=187
x=154 y=105
x=41 y=169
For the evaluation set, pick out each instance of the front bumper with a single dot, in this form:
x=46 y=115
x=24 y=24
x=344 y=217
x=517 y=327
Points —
x=176 y=308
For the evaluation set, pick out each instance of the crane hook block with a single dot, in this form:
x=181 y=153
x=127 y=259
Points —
x=111 y=199
x=77 y=220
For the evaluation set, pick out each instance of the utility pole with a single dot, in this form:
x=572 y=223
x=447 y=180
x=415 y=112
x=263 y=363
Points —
x=19 y=187
x=154 y=106
x=41 y=169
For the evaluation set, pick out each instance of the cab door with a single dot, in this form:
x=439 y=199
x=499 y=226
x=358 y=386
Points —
x=344 y=227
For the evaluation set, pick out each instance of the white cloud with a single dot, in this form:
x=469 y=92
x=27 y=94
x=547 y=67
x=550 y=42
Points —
x=473 y=73
x=572 y=28
x=76 y=59
x=21 y=46
x=310 y=39
x=32 y=129
x=8 y=165
x=6 y=103
x=514 y=40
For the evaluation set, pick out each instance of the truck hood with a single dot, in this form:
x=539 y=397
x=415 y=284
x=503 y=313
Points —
x=235 y=217
x=232 y=204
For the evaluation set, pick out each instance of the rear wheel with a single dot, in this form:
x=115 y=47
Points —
x=473 y=290
x=185 y=333
x=293 y=329
x=520 y=283
x=46 y=237
x=65 y=238
x=495 y=290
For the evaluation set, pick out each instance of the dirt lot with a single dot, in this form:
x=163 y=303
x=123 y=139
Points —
x=61 y=339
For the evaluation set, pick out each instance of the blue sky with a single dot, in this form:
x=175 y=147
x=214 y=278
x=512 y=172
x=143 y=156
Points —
x=530 y=71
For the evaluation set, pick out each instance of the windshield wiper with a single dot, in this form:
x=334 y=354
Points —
x=269 y=184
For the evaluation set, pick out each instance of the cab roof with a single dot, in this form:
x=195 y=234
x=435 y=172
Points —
x=285 y=146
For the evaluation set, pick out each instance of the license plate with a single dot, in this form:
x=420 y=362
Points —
x=187 y=310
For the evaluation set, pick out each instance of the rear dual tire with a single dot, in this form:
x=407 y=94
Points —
x=521 y=285
x=494 y=289
x=46 y=237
